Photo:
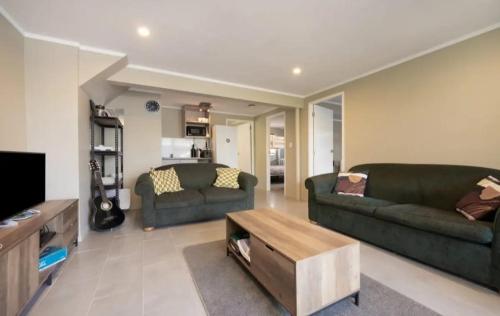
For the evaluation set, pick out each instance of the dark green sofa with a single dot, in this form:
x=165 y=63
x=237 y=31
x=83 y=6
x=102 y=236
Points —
x=198 y=201
x=410 y=209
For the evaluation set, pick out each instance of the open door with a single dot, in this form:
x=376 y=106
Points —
x=326 y=136
x=323 y=140
x=275 y=145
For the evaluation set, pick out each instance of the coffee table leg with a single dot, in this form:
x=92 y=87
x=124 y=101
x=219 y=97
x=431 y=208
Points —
x=356 y=299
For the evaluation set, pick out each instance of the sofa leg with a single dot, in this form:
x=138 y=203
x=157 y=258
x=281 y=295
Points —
x=356 y=299
x=313 y=222
x=149 y=229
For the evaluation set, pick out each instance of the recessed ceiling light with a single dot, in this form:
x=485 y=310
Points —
x=297 y=71
x=143 y=31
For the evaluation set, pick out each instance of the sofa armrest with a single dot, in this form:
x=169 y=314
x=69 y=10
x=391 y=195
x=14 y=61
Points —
x=496 y=239
x=144 y=185
x=495 y=251
x=247 y=181
x=321 y=184
x=318 y=184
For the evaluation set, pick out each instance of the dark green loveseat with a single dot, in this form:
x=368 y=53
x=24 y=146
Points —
x=410 y=209
x=198 y=201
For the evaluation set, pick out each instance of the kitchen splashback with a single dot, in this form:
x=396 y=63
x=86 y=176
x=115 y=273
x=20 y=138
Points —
x=180 y=147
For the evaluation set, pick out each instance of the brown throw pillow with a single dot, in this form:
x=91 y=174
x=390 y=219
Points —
x=483 y=200
x=350 y=183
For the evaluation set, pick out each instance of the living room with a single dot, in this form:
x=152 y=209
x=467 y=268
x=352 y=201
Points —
x=250 y=164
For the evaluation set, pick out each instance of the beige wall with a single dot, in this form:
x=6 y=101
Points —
x=92 y=64
x=260 y=150
x=291 y=159
x=440 y=108
x=51 y=73
x=12 y=102
x=221 y=119
x=83 y=159
x=93 y=72
x=304 y=172
x=142 y=138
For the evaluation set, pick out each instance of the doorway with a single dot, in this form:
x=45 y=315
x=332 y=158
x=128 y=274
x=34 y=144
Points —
x=275 y=137
x=245 y=139
x=326 y=135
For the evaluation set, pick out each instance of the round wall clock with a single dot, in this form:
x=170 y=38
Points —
x=152 y=106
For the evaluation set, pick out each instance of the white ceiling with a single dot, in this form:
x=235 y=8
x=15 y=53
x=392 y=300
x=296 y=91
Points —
x=177 y=99
x=258 y=42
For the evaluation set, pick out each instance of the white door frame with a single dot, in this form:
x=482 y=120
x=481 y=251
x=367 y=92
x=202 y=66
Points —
x=252 y=134
x=310 y=132
x=268 y=147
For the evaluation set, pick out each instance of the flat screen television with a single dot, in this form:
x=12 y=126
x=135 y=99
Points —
x=23 y=182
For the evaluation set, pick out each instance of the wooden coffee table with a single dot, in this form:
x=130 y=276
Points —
x=304 y=266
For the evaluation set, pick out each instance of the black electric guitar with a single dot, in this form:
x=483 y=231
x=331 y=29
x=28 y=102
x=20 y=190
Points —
x=106 y=213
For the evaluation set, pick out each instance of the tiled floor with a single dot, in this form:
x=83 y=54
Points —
x=129 y=272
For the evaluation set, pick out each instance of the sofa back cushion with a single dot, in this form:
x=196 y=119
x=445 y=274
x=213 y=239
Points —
x=439 y=186
x=195 y=175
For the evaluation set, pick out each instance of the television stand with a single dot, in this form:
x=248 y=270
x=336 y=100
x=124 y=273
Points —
x=12 y=222
x=8 y=223
x=20 y=249
x=46 y=237
x=25 y=215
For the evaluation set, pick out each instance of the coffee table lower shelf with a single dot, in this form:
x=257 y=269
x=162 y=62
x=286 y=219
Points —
x=238 y=257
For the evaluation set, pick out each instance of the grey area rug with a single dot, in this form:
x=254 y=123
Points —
x=227 y=288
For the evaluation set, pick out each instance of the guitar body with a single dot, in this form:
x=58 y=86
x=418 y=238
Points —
x=102 y=219
x=105 y=212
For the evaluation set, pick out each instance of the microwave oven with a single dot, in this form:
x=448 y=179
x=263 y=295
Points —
x=196 y=131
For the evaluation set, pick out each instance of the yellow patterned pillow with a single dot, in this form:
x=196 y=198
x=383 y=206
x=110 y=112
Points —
x=227 y=178
x=165 y=181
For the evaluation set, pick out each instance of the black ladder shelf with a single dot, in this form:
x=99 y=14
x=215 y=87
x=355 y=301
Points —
x=98 y=127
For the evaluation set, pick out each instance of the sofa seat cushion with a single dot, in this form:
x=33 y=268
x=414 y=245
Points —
x=220 y=195
x=437 y=221
x=361 y=205
x=184 y=198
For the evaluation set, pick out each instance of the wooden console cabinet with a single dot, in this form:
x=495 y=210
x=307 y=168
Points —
x=304 y=266
x=20 y=250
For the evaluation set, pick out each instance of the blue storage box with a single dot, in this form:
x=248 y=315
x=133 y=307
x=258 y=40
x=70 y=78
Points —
x=52 y=256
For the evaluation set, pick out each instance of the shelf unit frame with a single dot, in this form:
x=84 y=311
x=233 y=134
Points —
x=99 y=124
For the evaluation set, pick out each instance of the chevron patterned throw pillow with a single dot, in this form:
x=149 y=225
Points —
x=227 y=178
x=165 y=181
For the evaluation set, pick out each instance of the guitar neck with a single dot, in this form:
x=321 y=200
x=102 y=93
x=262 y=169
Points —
x=100 y=185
